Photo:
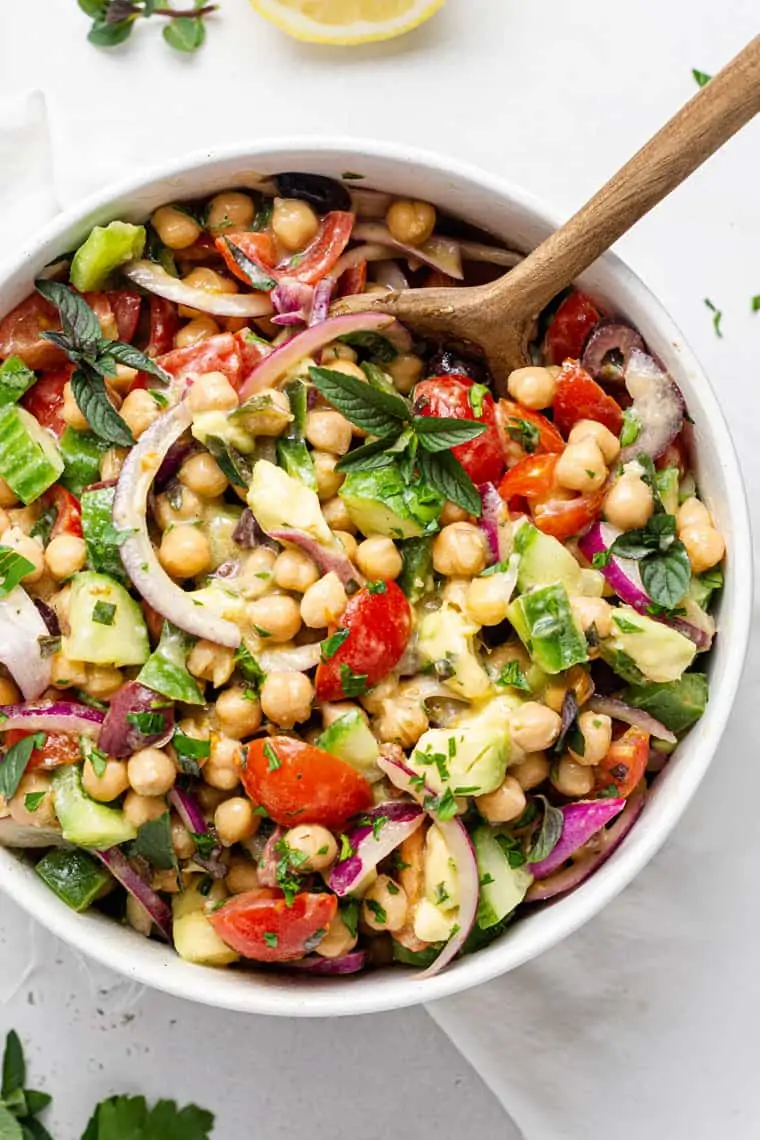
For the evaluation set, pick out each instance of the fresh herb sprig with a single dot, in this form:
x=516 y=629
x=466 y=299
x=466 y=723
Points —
x=114 y=21
x=423 y=442
x=96 y=358
x=663 y=561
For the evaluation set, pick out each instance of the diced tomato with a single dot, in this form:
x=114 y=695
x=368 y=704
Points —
x=126 y=306
x=257 y=247
x=21 y=333
x=299 y=783
x=578 y=397
x=316 y=261
x=531 y=478
x=449 y=395
x=57 y=750
x=570 y=328
x=562 y=518
x=252 y=352
x=511 y=419
x=220 y=353
x=68 y=511
x=164 y=323
x=268 y=930
x=625 y=763
x=353 y=280
x=379 y=622
x=45 y=398
x=553 y=513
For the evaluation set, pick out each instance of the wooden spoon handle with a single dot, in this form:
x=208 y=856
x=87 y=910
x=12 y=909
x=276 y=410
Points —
x=707 y=121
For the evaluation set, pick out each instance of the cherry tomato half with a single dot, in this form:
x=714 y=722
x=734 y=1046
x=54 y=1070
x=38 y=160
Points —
x=525 y=430
x=68 y=511
x=164 y=323
x=578 y=397
x=316 y=261
x=21 y=333
x=625 y=763
x=570 y=328
x=268 y=930
x=45 y=398
x=531 y=478
x=299 y=783
x=449 y=396
x=353 y=280
x=378 y=622
x=562 y=518
x=257 y=247
x=220 y=353
x=57 y=750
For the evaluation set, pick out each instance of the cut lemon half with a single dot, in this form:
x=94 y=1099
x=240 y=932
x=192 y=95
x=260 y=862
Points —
x=346 y=21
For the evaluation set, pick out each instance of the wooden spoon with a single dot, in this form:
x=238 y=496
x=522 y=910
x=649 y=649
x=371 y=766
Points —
x=500 y=317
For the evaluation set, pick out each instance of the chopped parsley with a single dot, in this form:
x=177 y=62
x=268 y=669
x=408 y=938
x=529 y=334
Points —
x=756 y=303
x=601 y=559
x=441 y=894
x=349 y=912
x=701 y=77
x=631 y=429
x=717 y=316
x=378 y=587
x=353 y=684
x=274 y=761
x=103 y=613
x=346 y=850
x=513 y=675
x=148 y=723
x=32 y=800
x=375 y=908
x=97 y=759
x=332 y=644
x=287 y=870
x=496 y=568
x=444 y=806
x=523 y=432
x=13 y=764
x=250 y=669
x=452 y=747
x=625 y=626
x=476 y=396
x=270 y=938
x=392 y=887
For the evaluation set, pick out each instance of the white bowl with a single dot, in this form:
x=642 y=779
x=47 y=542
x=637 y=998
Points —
x=517 y=218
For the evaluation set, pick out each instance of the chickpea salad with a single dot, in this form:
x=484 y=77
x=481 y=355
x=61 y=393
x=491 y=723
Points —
x=316 y=653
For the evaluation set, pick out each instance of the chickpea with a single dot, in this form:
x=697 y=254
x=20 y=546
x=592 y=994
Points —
x=70 y=411
x=385 y=905
x=176 y=229
x=112 y=461
x=316 y=843
x=405 y=370
x=459 y=549
x=704 y=546
x=211 y=662
x=102 y=681
x=337 y=351
x=594 y=612
x=571 y=778
x=335 y=513
x=138 y=917
x=106 y=787
x=230 y=210
x=294 y=223
x=139 y=411
x=692 y=513
x=185 y=551
x=141 y=809
x=9 y=692
x=241 y=875
x=67 y=673
x=329 y=481
x=221 y=776
x=234 y=820
x=273 y=413
x=189 y=508
x=8 y=498
x=338 y=941
x=506 y=803
x=378 y=557
x=348 y=542
x=210 y=281
x=402 y=721
x=410 y=221
x=124 y=378
x=203 y=475
x=212 y=392
x=628 y=504
x=29 y=548
x=294 y=570
x=531 y=771
x=32 y=784
x=65 y=555
x=534 y=727
x=324 y=602
x=452 y=513
x=374 y=700
x=334 y=710
x=286 y=697
x=581 y=467
x=328 y=431
x=276 y=617
x=151 y=772
x=533 y=387
x=348 y=368
x=196 y=330
x=487 y=600
x=237 y=715
x=596 y=730
x=607 y=442
x=182 y=841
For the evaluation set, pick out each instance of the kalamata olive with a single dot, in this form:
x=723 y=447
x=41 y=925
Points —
x=324 y=194
x=445 y=362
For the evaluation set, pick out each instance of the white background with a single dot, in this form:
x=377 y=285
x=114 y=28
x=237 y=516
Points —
x=550 y=94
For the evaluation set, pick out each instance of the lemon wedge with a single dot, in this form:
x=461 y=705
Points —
x=346 y=21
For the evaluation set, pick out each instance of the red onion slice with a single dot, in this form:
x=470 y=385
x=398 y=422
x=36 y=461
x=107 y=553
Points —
x=438 y=252
x=21 y=627
x=619 y=710
x=461 y=851
x=14 y=834
x=267 y=864
x=121 y=737
x=140 y=560
x=495 y=523
x=323 y=292
x=581 y=821
x=657 y=402
x=293 y=302
x=351 y=963
x=359 y=255
x=290 y=658
x=154 y=279
x=571 y=877
x=60 y=716
x=328 y=558
x=610 y=336
x=189 y=811
x=389 y=274
x=621 y=573
x=271 y=370
x=123 y=871
x=393 y=823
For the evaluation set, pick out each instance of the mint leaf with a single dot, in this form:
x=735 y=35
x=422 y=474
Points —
x=368 y=457
x=185 y=33
x=14 y=1069
x=131 y=357
x=440 y=433
x=366 y=407
x=13 y=567
x=79 y=323
x=523 y=432
x=446 y=474
x=13 y=764
x=92 y=400
x=154 y=843
x=666 y=577
x=701 y=77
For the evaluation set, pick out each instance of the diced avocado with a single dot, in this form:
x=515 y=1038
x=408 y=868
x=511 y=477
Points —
x=643 y=649
x=107 y=625
x=261 y=415
x=432 y=923
x=15 y=379
x=440 y=874
x=30 y=461
x=667 y=482
x=219 y=426
x=502 y=887
x=166 y=672
x=544 y=560
x=676 y=704
x=350 y=739
x=220 y=522
x=416 y=577
x=74 y=876
x=445 y=641
x=469 y=759
x=544 y=622
x=104 y=251
x=100 y=535
x=381 y=502
x=84 y=821
x=703 y=586
x=195 y=939
x=280 y=502
x=592 y=582
x=81 y=452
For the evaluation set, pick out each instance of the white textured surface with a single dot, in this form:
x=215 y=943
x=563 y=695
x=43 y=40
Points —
x=555 y=96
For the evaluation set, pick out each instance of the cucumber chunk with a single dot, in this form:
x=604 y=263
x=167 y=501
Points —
x=350 y=739
x=74 y=876
x=416 y=577
x=81 y=452
x=100 y=536
x=30 y=461
x=105 y=250
x=84 y=821
x=107 y=625
x=15 y=379
x=502 y=887
x=544 y=622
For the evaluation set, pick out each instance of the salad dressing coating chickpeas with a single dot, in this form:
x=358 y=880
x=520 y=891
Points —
x=334 y=680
